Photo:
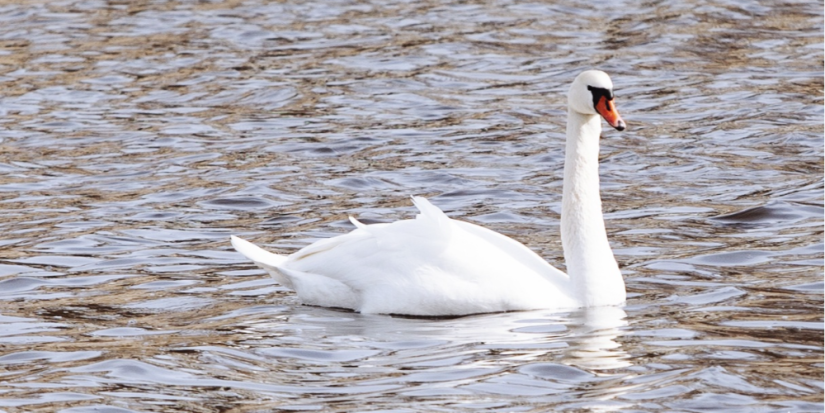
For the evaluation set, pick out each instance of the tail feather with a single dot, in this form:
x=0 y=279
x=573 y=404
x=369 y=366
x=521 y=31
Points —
x=434 y=216
x=264 y=259
x=429 y=211
x=357 y=223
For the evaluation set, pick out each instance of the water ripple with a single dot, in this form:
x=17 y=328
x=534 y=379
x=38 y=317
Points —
x=136 y=137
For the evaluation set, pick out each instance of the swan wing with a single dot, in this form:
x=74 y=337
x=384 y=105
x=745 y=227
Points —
x=431 y=265
x=519 y=252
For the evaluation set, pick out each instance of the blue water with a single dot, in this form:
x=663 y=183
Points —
x=135 y=138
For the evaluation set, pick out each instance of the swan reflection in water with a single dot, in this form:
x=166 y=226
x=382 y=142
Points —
x=585 y=338
x=593 y=342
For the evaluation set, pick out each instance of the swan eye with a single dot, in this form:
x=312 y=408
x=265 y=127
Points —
x=598 y=93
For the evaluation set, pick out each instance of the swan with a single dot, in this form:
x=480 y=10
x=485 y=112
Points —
x=436 y=266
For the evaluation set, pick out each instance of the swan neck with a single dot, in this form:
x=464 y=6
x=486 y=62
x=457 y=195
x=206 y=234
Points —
x=590 y=263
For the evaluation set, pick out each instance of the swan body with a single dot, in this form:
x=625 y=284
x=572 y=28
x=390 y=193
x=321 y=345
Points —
x=436 y=266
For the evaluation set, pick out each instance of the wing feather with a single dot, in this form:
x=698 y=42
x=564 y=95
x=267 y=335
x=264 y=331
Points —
x=430 y=265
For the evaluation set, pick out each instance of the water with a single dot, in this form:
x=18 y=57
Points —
x=136 y=137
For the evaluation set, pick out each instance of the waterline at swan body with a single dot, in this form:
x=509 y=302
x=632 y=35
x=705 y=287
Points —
x=436 y=266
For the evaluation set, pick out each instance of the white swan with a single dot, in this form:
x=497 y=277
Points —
x=437 y=266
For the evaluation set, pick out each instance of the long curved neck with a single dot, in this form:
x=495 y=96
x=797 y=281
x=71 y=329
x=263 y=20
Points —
x=590 y=262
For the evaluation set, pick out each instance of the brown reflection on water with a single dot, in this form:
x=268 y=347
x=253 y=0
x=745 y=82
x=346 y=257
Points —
x=136 y=137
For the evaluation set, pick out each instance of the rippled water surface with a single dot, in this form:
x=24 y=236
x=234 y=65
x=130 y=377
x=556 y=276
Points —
x=135 y=137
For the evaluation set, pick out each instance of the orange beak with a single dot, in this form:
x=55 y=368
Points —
x=609 y=113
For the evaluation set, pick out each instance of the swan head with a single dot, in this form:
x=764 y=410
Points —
x=592 y=94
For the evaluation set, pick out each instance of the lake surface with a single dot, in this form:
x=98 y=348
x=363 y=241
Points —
x=135 y=137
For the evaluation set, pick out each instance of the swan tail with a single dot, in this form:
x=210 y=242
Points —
x=264 y=259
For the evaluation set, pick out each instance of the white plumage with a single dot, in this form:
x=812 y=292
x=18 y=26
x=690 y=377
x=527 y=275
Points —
x=436 y=266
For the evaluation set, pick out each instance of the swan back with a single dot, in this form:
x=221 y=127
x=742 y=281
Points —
x=428 y=266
